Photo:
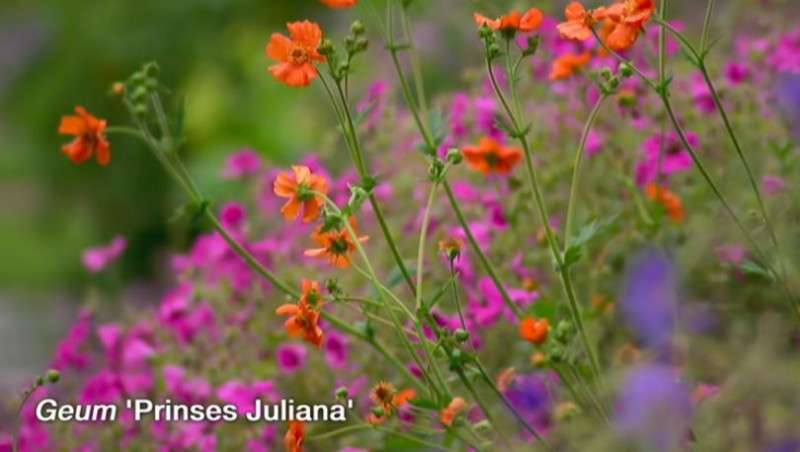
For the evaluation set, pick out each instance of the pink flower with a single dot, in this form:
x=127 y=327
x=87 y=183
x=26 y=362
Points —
x=336 y=350
x=733 y=253
x=703 y=99
x=675 y=158
x=97 y=258
x=736 y=72
x=241 y=164
x=69 y=352
x=244 y=395
x=291 y=357
x=772 y=185
x=594 y=143
x=232 y=213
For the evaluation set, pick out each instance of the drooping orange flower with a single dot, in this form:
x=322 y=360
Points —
x=310 y=292
x=335 y=245
x=533 y=330
x=89 y=137
x=388 y=398
x=453 y=409
x=670 y=201
x=513 y=21
x=339 y=3
x=567 y=64
x=299 y=187
x=580 y=21
x=490 y=156
x=303 y=321
x=295 y=54
x=624 y=22
x=294 y=437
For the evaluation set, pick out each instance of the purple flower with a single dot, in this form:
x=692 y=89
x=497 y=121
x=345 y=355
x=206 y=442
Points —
x=69 y=352
x=594 y=143
x=97 y=258
x=736 y=72
x=232 y=213
x=529 y=395
x=291 y=357
x=649 y=297
x=241 y=163
x=653 y=408
x=787 y=94
x=772 y=185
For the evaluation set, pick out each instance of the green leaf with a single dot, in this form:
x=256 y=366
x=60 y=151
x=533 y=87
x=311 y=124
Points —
x=750 y=268
x=587 y=233
x=424 y=404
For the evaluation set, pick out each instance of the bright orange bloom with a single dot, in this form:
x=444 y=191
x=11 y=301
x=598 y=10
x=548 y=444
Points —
x=568 y=63
x=670 y=201
x=299 y=188
x=534 y=330
x=295 y=55
x=489 y=156
x=335 y=245
x=513 y=21
x=339 y=3
x=295 y=436
x=579 y=21
x=388 y=398
x=625 y=21
x=89 y=137
x=456 y=406
x=303 y=320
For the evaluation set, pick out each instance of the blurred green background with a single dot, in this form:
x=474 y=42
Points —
x=55 y=54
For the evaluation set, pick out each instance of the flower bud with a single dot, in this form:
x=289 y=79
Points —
x=485 y=32
x=139 y=94
x=357 y=27
x=53 y=376
x=625 y=70
x=341 y=393
x=361 y=44
x=151 y=69
x=117 y=89
x=532 y=47
x=563 y=331
x=461 y=335
x=325 y=47
x=605 y=72
x=140 y=111
x=613 y=83
x=454 y=156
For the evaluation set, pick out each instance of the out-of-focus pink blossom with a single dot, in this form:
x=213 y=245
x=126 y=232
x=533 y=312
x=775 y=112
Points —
x=97 y=258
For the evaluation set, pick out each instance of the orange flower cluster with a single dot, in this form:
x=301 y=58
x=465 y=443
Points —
x=489 y=156
x=304 y=317
x=622 y=22
x=89 y=137
x=534 y=330
x=296 y=54
x=513 y=21
x=335 y=245
x=670 y=201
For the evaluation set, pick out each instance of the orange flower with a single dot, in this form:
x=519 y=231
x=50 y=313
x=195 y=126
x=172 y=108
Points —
x=580 y=21
x=489 y=156
x=89 y=137
x=625 y=21
x=670 y=201
x=388 y=398
x=295 y=55
x=567 y=64
x=456 y=406
x=335 y=245
x=504 y=379
x=310 y=292
x=534 y=330
x=513 y=21
x=303 y=320
x=339 y=3
x=295 y=436
x=299 y=188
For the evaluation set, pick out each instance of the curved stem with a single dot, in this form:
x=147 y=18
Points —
x=423 y=235
x=576 y=169
x=707 y=26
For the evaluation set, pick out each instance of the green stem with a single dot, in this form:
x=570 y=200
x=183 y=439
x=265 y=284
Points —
x=576 y=169
x=479 y=252
x=423 y=234
x=340 y=431
x=707 y=26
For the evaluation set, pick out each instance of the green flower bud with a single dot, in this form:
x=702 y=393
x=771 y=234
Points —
x=454 y=156
x=53 y=376
x=341 y=393
x=357 y=27
x=625 y=70
x=605 y=72
x=461 y=335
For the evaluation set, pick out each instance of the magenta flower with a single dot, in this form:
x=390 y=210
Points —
x=772 y=185
x=232 y=214
x=732 y=253
x=241 y=164
x=244 y=395
x=70 y=351
x=95 y=259
x=336 y=350
x=675 y=157
x=291 y=357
